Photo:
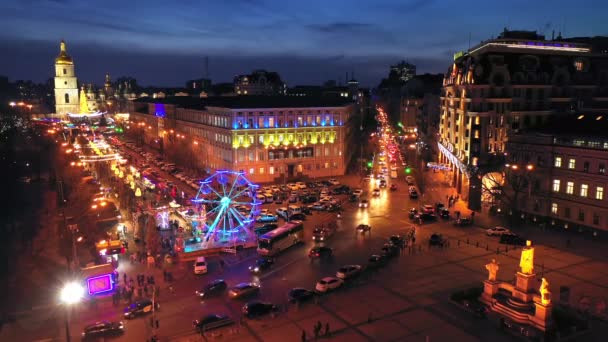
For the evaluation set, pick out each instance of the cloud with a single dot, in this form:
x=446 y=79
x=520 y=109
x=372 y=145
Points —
x=340 y=27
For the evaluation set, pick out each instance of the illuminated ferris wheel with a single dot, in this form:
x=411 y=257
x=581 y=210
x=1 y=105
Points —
x=228 y=207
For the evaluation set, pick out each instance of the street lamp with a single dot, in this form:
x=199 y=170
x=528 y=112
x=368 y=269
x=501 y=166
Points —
x=71 y=293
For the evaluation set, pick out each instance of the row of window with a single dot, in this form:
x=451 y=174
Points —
x=307 y=152
x=601 y=168
x=583 y=190
x=568 y=214
x=281 y=169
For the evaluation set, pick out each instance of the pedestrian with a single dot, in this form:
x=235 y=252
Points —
x=303 y=335
x=146 y=290
x=317 y=330
x=326 y=329
x=124 y=278
x=131 y=282
x=157 y=324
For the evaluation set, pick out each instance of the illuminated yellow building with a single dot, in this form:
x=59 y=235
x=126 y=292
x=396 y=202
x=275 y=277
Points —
x=270 y=138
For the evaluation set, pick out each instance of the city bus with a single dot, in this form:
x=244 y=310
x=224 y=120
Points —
x=275 y=241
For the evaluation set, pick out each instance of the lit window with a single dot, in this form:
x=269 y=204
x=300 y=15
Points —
x=578 y=65
x=475 y=161
x=477 y=120
x=558 y=162
x=599 y=193
x=571 y=163
x=570 y=188
x=251 y=171
x=554 y=208
x=556 y=184
x=261 y=170
x=584 y=190
x=476 y=134
x=271 y=170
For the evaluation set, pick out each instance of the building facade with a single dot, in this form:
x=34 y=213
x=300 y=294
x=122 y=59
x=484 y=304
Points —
x=66 y=84
x=259 y=82
x=568 y=178
x=270 y=138
x=504 y=85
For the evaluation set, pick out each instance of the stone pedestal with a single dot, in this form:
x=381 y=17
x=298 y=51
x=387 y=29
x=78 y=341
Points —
x=525 y=286
x=542 y=316
x=490 y=288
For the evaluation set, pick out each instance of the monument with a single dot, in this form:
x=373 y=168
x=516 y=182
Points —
x=523 y=302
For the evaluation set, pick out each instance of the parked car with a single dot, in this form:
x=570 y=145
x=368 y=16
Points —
x=299 y=295
x=211 y=322
x=267 y=218
x=282 y=212
x=497 y=231
x=512 y=239
x=376 y=192
x=390 y=251
x=298 y=217
x=213 y=288
x=426 y=217
x=413 y=193
x=244 y=289
x=358 y=192
x=397 y=240
x=320 y=252
x=328 y=283
x=333 y=181
x=427 y=208
x=349 y=271
x=261 y=265
x=265 y=228
x=101 y=330
x=140 y=307
x=376 y=260
x=200 y=265
x=257 y=309
x=413 y=213
x=409 y=180
x=463 y=222
x=444 y=213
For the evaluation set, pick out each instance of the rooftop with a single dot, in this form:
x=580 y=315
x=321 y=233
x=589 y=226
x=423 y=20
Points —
x=241 y=102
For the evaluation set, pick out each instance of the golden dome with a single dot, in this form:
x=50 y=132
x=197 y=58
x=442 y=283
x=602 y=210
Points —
x=63 y=57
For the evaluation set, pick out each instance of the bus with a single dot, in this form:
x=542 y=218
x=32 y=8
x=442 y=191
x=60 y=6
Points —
x=275 y=241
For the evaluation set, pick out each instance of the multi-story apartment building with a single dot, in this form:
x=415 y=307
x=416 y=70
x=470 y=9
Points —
x=259 y=82
x=503 y=85
x=269 y=138
x=567 y=170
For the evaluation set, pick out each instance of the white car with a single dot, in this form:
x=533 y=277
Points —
x=333 y=181
x=200 y=265
x=348 y=271
x=376 y=192
x=498 y=230
x=328 y=284
x=363 y=203
x=358 y=192
x=282 y=212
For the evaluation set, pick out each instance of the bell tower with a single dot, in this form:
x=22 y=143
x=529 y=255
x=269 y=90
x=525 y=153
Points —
x=66 y=84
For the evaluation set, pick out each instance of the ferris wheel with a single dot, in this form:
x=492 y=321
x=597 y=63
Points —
x=228 y=207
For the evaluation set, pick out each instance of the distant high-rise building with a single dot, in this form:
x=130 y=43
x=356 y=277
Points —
x=260 y=82
x=403 y=71
x=66 y=84
x=516 y=81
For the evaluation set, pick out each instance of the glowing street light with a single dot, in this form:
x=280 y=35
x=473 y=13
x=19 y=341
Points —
x=71 y=293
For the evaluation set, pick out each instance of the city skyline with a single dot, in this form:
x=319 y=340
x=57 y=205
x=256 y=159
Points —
x=305 y=44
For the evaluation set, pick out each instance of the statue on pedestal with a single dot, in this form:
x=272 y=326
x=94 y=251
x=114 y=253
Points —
x=526 y=263
x=545 y=294
x=492 y=270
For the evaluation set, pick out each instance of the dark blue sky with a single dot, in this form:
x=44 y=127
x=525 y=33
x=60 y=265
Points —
x=307 y=42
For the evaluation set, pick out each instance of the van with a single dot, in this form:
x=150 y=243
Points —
x=294 y=209
x=200 y=265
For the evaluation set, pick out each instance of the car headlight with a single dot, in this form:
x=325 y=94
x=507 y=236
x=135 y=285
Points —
x=321 y=238
x=256 y=269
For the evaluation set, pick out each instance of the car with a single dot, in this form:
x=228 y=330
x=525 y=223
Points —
x=426 y=217
x=301 y=185
x=211 y=322
x=376 y=260
x=140 y=307
x=444 y=213
x=213 y=288
x=363 y=203
x=200 y=265
x=463 y=222
x=413 y=213
x=397 y=240
x=427 y=208
x=376 y=192
x=497 y=231
x=358 y=192
x=318 y=206
x=298 y=217
x=409 y=180
x=328 y=283
x=413 y=194
x=367 y=178
x=436 y=240
x=299 y=295
x=333 y=181
x=320 y=252
x=383 y=184
x=393 y=187
x=244 y=289
x=100 y=330
x=267 y=218
x=257 y=309
x=363 y=228
x=261 y=265
x=512 y=239
x=292 y=199
x=349 y=271
x=282 y=212
x=390 y=251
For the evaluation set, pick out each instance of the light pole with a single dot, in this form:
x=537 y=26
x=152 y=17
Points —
x=71 y=294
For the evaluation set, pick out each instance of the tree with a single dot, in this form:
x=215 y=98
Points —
x=152 y=235
x=505 y=188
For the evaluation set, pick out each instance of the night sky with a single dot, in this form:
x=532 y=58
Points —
x=307 y=42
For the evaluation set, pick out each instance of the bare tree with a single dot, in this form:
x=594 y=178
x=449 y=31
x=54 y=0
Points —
x=152 y=235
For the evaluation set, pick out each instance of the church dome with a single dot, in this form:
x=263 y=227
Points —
x=63 y=57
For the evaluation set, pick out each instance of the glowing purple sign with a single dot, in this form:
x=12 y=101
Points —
x=100 y=284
